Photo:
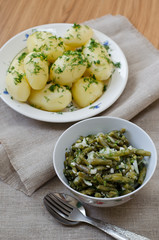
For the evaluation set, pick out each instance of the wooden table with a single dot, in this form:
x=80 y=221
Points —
x=22 y=222
x=18 y=15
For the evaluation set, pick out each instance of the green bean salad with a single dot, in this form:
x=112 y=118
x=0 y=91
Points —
x=105 y=165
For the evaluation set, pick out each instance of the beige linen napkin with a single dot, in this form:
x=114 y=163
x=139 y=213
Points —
x=27 y=145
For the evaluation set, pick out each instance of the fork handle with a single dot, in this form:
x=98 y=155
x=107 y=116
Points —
x=114 y=231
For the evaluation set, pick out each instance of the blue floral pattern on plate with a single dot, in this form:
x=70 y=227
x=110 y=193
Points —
x=27 y=34
x=26 y=37
x=106 y=43
x=95 y=106
x=5 y=91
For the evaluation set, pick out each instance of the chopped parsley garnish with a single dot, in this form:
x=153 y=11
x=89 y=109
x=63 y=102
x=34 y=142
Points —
x=71 y=107
x=60 y=44
x=52 y=37
x=106 y=47
x=58 y=70
x=89 y=81
x=86 y=26
x=44 y=47
x=56 y=86
x=53 y=87
x=79 y=36
x=108 y=60
x=76 y=25
x=89 y=65
x=80 y=49
x=19 y=77
x=39 y=35
x=70 y=36
x=73 y=58
x=10 y=69
x=117 y=65
x=67 y=87
x=47 y=99
x=40 y=55
x=104 y=88
x=97 y=62
x=21 y=57
x=59 y=113
x=93 y=44
x=37 y=67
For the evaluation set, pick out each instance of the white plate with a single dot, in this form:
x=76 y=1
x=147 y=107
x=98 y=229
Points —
x=114 y=90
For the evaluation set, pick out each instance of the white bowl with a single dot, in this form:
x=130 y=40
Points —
x=137 y=137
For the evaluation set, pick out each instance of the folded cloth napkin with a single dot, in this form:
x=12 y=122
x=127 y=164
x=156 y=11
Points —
x=27 y=145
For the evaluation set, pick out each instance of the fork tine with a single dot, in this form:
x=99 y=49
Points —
x=61 y=202
x=55 y=206
x=50 y=210
x=50 y=206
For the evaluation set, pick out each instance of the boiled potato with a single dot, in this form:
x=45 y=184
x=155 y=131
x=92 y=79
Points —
x=86 y=90
x=99 y=62
x=51 y=98
x=68 y=68
x=17 y=86
x=77 y=35
x=36 y=69
x=16 y=82
x=46 y=43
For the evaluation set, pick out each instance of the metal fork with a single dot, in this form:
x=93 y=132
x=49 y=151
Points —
x=68 y=212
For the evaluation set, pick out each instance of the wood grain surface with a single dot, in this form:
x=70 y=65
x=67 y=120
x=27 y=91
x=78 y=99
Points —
x=18 y=15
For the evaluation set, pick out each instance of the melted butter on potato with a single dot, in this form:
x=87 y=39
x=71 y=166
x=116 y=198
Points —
x=86 y=90
x=36 y=69
x=51 y=98
x=68 y=68
x=99 y=62
x=45 y=42
x=17 y=84
x=77 y=35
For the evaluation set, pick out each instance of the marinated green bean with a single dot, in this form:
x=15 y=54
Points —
x=105 y=165
x=142 y=175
